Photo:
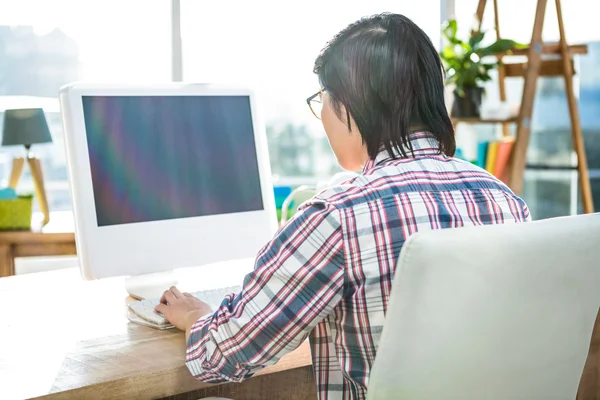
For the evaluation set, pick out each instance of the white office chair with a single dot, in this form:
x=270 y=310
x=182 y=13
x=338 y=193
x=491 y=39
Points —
x=495 y=312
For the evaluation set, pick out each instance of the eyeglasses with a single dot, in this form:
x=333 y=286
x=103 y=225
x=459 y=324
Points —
x=315 y=103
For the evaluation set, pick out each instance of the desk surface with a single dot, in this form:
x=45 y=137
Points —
x=63 y=336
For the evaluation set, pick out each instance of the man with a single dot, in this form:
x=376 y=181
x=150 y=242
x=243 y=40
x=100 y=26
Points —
x=327 y=274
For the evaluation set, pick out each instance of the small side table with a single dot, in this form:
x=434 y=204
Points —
x=32 y=244
x=55 y=239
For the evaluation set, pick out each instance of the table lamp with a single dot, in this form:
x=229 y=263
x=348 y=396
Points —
x=24 y=127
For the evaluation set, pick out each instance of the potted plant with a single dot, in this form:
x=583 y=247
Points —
x=466 y=69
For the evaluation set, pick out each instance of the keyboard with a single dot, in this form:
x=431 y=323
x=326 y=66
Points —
x=142 y=311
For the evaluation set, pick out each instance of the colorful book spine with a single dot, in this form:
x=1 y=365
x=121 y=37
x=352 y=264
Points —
x=492 y=154
x=494 y=157
x=503 y=158
x=482 y=148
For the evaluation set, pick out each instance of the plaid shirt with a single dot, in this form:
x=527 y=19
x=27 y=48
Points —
x=328 y=273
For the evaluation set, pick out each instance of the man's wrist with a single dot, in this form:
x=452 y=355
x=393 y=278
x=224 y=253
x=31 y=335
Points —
x=191 y=317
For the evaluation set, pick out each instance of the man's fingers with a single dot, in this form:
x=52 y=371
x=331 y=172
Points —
x=176 y=292
x=161 y=308
x=163 y=299
x=169 y=297
x=186 y=294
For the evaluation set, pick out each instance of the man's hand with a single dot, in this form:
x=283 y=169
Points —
x=182 y=309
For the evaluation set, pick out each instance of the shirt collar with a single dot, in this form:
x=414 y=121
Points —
x=423 y=144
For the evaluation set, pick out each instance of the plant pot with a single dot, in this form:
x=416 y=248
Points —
x=469 y=104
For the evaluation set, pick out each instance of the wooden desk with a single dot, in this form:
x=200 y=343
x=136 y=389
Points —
x=32 y=244
x=63 y=338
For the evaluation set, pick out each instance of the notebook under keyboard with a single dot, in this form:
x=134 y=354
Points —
x=142 y=311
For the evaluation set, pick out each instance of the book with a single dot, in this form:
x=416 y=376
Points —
x=481 y=154
x=492 y=153
x=505 y=147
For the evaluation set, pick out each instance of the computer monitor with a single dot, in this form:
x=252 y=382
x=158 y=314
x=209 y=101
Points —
x=165 y=177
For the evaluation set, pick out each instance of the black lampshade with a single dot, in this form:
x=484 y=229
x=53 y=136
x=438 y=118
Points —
x=25 y=127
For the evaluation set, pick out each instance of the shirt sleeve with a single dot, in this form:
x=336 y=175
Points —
x=297 y=281
x=526 y=213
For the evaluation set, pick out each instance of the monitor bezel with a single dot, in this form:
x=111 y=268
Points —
x=158 y=246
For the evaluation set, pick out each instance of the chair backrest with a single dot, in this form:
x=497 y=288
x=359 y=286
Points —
x=493 y=312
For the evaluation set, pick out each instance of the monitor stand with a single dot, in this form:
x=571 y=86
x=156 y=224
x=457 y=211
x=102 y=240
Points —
x=150 y=286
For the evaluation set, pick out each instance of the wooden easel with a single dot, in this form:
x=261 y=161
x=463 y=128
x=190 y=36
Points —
x=535 y=67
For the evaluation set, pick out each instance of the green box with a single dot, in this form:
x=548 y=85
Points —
x=15 y=214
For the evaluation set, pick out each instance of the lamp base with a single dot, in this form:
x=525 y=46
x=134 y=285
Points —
x=35 y=167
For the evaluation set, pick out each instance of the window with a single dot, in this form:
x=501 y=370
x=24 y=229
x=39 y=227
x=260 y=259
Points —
x=551 y=186
x=46 y=44
x=266 y=44
x=271 y=46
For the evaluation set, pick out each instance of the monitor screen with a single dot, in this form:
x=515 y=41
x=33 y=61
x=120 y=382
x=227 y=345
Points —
x=164 y=157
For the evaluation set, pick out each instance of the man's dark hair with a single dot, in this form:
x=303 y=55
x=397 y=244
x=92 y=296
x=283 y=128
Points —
x=389 y=77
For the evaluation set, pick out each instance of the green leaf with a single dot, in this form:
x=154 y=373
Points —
x=448 y=53
x=498 y=47
x=485 y=78
x=462 y=60
x=449 y=30
x=475 y=39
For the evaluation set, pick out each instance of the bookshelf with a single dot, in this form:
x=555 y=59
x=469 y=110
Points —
x=559 y=63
